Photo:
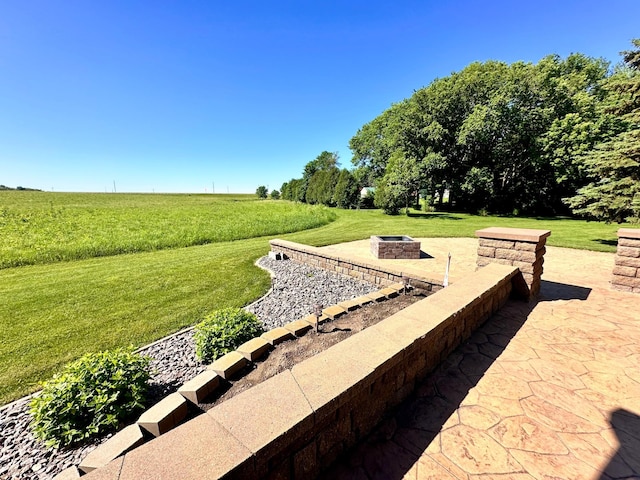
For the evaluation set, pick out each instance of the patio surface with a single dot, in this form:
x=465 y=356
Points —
x=548 y=389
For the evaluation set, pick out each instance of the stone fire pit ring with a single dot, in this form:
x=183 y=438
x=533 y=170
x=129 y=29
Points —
x=394 y=247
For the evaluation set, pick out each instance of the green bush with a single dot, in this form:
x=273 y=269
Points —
x=223 y=331
x=90 y=397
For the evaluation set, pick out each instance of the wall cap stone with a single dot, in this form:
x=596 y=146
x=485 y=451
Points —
x=629 y=233
x=517 y=234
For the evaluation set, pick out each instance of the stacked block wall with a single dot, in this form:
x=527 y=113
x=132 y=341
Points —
x=333 y=399
x=408 y=249
x=315 y=257
x=522 y=248
x=626 y=272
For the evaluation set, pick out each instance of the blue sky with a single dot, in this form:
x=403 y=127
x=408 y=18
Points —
x=186 y=96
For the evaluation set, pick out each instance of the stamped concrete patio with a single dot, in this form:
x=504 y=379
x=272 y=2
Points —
x=548 y=389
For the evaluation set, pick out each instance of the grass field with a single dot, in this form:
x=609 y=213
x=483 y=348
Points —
x=53 y=313
x=45 y=227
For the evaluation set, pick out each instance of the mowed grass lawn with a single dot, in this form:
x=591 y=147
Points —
x=52 y=313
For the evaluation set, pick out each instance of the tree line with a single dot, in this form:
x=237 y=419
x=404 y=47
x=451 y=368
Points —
x=324 y=183
x=557 y=137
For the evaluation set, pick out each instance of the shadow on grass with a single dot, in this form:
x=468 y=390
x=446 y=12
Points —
x=606 y=241
x=429 y=216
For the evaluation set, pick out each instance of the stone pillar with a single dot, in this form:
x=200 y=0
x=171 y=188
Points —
x=519 y=247
x=626 y=272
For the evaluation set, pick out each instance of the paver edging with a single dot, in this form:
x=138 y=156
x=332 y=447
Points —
x=383 y=276
x=189 y=397
x=339 y=422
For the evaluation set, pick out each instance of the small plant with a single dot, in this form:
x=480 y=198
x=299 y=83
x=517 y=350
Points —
x=90 y=397
x=223 y=331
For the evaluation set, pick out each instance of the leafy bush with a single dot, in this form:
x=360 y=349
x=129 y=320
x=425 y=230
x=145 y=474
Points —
x=223 y=331
x=90 y=397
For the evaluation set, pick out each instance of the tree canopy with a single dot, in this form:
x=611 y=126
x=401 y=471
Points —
x=556 y=137
x=498 y=137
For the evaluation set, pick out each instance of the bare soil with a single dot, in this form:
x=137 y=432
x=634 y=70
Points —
x=287 y=354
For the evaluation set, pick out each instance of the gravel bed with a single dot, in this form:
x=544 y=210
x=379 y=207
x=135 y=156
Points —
x=295 y=289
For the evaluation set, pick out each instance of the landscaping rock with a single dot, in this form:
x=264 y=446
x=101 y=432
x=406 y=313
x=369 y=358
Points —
x=296 y=288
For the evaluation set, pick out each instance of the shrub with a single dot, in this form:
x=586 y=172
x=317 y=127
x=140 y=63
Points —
x=223 y=331
x=90 y=397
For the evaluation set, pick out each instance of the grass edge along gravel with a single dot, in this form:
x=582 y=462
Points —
x=56 y=313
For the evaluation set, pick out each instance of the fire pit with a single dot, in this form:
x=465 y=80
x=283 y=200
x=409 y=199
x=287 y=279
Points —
x=394 y=246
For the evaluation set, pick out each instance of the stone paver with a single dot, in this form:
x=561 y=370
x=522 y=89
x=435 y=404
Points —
x=546 y=389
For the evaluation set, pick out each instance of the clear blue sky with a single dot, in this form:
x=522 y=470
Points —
x=174 y=96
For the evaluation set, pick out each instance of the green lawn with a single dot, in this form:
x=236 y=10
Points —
x=53 y=313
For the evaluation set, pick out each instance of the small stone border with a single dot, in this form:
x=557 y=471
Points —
x=174 y=409
x=293 y=286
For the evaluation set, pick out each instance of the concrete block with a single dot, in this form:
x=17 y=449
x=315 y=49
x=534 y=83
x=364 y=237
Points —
x=298 y=327
x=126 y=439
x=328 y=380
x=198 y=449
x=486 y=252
x=277 y=335
x=513 y=234
x=398 y=287
x=633 y=233
x=254 y=348
x=164 y=415
x=350 y=305
x=111 y=471
x=267 y=416
x=389 y=292
x=628 y=252
x=377 y=296
x=518 y=255
x=228 y=365
x=628 y=262
x=334 y=311
x=200 y=386
x=629 y=242
x=363 y=300
x=627 y=281
x=70 y=473
x=625 y=271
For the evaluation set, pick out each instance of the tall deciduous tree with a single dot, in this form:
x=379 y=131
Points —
x=262 y=191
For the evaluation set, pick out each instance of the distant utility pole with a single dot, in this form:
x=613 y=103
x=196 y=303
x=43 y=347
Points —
x=114 y=186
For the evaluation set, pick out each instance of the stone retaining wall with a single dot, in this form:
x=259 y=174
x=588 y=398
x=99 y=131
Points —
x=315 y=257
x=518 y=247
x=626 y=272
x=301 y=420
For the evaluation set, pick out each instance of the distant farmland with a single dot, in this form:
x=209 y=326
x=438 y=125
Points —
x=44 y=227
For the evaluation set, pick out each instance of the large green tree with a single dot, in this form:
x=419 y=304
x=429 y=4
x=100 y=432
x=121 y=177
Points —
x=483 y=135
x=614 y=164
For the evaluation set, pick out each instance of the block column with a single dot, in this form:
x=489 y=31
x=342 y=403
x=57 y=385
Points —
x=519 y=247
x=626 y=272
